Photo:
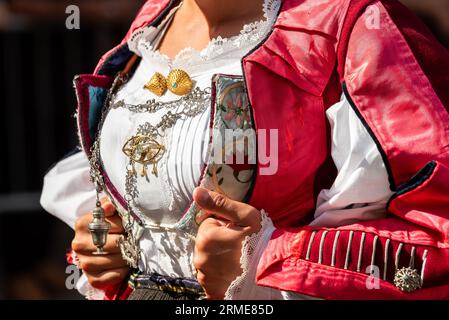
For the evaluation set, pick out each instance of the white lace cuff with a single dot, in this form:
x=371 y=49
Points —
x=244 y=286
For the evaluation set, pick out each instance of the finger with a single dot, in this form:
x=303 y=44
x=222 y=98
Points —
x=228 y=226
x=82 y=223
x=211 y=287
x=107 y=278
x=116 y=225
x=217 y=240
x=92 y=263
x=201 y=216
x=221 y=229
x=109 y=209
x=218 y=220
x=237 y=212
x=83 y=244
x=224 y=242
x=209 y=276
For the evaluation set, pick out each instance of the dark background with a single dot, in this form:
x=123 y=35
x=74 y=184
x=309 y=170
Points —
x=38 y=59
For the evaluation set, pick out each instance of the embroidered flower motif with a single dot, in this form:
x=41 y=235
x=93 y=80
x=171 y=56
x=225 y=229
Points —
x=237 y=111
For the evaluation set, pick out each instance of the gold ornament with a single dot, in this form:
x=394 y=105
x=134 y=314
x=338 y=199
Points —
x=144 y=150
x=157 y=84
x=178 y=82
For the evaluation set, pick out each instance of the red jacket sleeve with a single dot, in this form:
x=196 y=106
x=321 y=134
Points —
x=394 y=75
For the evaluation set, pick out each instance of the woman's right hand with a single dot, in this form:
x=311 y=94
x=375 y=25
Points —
x=105 y=270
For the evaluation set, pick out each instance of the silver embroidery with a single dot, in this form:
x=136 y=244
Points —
x=309 y=249
x=373 y=255
x=398 y=255
x=334 y=249
x=423 y=267
x=412 y=258
x=362 y=244
x=320 y=254
x=348 y=250
x=387 y=245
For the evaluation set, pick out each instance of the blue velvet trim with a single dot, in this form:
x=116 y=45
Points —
x=97 y=97
x=116 y=61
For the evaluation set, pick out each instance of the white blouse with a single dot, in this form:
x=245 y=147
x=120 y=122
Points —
x=67 y=192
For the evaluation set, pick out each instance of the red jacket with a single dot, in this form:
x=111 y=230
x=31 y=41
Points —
x=394 y=73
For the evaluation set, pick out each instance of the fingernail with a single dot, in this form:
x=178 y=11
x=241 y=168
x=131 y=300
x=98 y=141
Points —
x=202 y=195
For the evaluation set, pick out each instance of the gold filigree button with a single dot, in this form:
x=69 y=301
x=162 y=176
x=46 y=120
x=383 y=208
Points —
x=157 y=84
x=178 y=82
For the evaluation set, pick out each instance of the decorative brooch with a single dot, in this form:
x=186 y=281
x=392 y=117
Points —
x=407 y=280
x=177 y=82
x=144 y=149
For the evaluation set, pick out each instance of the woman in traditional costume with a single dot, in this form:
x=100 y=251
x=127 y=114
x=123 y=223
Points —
x=301 y=152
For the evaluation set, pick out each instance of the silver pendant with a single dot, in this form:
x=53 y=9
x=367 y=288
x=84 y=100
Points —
x=129 y=249
x=99 y=229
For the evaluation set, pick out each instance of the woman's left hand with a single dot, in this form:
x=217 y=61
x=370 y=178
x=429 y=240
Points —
x=219 y=240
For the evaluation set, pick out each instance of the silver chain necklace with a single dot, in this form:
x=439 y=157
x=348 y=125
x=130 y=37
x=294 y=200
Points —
x=144 y=148
x=195 y=97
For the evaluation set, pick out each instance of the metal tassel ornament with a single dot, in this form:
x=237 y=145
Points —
x=99 y=229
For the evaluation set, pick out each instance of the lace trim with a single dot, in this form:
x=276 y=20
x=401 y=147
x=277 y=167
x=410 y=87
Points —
x=253 y=246
x=91 y=293
x=249 y=35
x=94 y=293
